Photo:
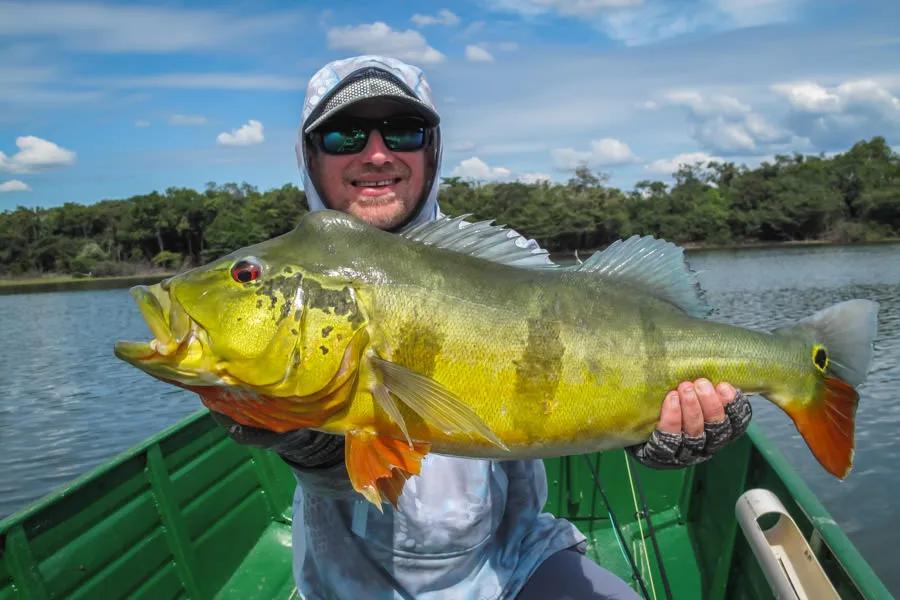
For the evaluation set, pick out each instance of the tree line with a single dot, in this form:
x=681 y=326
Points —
x=848 y=197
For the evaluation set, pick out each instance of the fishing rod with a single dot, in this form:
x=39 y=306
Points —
x=645 y=512
x=615 y=523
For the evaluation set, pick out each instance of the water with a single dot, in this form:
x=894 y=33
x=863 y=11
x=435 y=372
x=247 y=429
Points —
x=67 y=405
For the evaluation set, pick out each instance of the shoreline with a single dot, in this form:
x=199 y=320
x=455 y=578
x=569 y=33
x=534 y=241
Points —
x=64 y=283
x=692 y=247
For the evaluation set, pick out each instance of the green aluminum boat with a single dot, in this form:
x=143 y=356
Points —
x=190 y=514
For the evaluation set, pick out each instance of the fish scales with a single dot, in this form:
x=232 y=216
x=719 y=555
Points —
x=548 y=364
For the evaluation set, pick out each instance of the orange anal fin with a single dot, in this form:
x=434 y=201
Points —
x=379 y=466
x=827 y=426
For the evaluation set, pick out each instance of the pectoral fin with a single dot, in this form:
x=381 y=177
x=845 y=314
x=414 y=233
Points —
x=386 y=402
x=437 y=405
x=379 y=466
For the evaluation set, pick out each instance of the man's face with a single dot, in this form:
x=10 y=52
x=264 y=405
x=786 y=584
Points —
x=377 y=185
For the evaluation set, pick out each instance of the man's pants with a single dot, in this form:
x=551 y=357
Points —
x=570 y=575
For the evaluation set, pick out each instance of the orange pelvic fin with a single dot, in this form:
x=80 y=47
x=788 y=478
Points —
x=379 y=466
x=827 y=422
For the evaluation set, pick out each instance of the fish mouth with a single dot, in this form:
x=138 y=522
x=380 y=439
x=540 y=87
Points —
x=177 y=338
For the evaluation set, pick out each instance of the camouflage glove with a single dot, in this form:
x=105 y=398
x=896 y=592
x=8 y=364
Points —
x=301 y=448
x=670 y=450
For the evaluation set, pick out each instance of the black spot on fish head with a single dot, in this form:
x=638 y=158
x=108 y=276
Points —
x=323 y=349
x=326 y=331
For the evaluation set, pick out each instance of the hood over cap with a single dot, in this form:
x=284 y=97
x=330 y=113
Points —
x=350 y=81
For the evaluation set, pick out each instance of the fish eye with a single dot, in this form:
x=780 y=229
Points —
x=246 y=270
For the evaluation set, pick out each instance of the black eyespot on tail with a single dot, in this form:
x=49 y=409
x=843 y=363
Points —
x=820 y=357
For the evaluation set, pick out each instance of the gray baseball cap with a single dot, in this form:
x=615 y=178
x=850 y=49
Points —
x=368 y=84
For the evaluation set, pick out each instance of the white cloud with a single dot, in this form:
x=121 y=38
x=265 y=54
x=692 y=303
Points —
x=14 y=185
x=477 y=169
x=841 y=115
x=142 y=123
x=100 y=27
x=810 y=97
x=444 y=17
x=705 y=106
x=603 y=153
x=572 y=8
x=187 y=120
x=668 y=166
x=209 y=81
x=638 y=22
x=35 y=154
x=724 y=124
x=248 y=134
x=379 y=38
x=478 y=54
x=531 y=178
x=752 y=13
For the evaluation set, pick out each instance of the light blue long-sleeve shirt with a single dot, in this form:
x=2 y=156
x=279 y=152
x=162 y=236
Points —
x=463 y=528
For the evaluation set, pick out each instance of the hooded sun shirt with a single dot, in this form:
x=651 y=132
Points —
x=464 y=528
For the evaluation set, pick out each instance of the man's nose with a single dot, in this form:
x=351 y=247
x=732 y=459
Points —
x=376 y=152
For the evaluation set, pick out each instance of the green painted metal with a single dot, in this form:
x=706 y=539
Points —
x=190 y=514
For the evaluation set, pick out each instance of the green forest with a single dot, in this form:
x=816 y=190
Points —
x=849 y=197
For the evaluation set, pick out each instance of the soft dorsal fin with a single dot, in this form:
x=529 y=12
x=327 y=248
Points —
x=655 y=266
x=482 y=239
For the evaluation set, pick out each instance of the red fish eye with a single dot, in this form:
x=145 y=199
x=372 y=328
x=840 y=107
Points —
x=245 y=271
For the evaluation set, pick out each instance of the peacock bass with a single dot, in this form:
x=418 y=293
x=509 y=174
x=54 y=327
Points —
x=457 y=338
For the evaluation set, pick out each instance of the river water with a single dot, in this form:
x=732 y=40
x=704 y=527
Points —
x=67 y=405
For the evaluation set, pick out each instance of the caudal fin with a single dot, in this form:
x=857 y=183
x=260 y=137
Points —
x=841 y=345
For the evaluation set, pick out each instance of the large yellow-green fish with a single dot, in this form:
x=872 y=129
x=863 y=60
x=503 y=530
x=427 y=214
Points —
x=454 y=338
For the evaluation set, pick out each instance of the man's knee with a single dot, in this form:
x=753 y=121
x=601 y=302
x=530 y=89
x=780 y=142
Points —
x=570 y=575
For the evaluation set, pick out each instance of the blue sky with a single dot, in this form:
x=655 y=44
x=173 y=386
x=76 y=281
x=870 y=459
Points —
x=107 y=100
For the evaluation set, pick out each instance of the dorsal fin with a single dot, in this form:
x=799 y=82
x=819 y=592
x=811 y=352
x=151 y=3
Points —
x=482 y=239
x=654 y=266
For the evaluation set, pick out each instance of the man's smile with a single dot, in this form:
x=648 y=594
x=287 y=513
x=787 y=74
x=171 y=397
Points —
x=376 y=186
x=375 y=183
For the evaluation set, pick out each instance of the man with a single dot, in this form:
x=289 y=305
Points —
x=370 y=145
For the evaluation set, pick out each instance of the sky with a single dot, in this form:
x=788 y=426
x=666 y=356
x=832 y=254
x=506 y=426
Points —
x=106 y=100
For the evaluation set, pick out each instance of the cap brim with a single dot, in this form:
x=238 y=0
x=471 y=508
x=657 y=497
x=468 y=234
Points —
x=381 y=106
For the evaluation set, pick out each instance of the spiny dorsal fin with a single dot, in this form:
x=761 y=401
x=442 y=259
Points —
x=654 y=266
x=482 y=239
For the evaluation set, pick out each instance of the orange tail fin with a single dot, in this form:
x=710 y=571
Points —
x=827 y=425
x=379 y=466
